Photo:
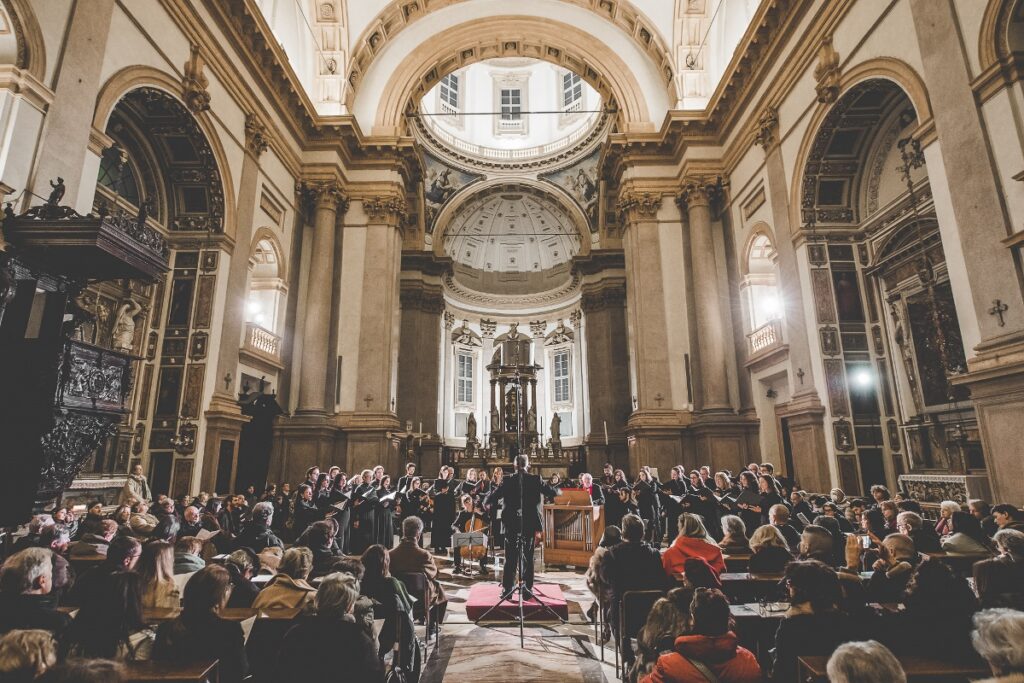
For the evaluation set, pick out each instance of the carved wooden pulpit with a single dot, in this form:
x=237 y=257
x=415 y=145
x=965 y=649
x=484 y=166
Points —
x=61 y=397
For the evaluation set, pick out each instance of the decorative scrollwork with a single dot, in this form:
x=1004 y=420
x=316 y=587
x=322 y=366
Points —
x=69 y=444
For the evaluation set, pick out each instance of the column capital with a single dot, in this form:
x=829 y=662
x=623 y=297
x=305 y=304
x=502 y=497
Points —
x=700 y=190
x=609 y=293
x=767 y=129
x=637 y=205
x=391 y=209
x=257 y=137
x=323 y=194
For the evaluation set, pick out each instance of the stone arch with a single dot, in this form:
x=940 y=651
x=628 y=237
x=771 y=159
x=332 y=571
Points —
x=268 y=234
x=131 y=79
x=881 y=70
x=995 y=42
x=524 y=36
x=31 y=49
x=757 y=231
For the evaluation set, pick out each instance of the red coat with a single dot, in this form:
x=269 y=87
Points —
x=729 y=662
x=684 y=547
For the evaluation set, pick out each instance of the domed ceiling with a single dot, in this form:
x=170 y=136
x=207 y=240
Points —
x=511 y=229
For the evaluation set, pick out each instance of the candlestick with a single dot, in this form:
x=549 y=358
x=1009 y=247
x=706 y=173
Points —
x=421 y=427
x=606 y=432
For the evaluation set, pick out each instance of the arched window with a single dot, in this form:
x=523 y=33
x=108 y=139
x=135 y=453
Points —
x=117 y=175
x=266 y=288
x=761 y=284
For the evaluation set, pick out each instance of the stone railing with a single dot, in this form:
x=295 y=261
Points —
x=495 y=153
x=262 y=342
x=765 y=338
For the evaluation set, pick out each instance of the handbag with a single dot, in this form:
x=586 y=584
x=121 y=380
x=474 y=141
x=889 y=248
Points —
x=703 y=669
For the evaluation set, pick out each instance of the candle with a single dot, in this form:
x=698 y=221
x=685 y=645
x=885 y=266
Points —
x=421 y=427
x=606 y=432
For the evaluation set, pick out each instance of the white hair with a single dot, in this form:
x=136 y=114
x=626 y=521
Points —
x=998 y=634
x=731 y=524
x=864 y=662
x=337 y=594
x=22 y=569
x=412 y=527
x=265 y=510
x=949 y=506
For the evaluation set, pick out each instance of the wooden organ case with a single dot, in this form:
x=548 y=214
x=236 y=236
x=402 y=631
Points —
x=572 y=528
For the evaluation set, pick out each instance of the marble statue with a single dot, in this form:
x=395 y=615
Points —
x=471 y=428
x=123 y=337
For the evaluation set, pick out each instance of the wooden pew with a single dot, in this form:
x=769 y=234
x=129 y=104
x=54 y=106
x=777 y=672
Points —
x=158 y=615
x=961 y=563
x=812 y=670
x=737 y=562
x=171 y=672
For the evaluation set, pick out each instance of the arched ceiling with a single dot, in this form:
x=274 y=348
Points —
x=511 y=228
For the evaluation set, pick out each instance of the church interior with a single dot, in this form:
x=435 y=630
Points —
x=283 y=283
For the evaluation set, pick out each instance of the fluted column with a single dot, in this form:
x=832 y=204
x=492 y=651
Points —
x=328 y=200
x=699 y=197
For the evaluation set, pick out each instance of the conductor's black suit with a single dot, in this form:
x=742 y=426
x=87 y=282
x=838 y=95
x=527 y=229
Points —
x=520 y=520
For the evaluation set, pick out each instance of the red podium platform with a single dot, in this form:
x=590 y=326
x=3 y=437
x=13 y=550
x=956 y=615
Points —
x=484 y=596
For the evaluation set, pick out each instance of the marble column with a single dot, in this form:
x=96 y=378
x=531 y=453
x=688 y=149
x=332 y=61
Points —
x=973 y=223
x=804 y=410
x=320 y=298
x=64 y=143
x=723 y=439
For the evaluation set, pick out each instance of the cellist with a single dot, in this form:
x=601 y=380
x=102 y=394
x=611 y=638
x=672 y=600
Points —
x=469 y=520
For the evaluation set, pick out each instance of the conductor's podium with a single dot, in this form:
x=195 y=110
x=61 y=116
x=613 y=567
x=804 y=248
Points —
x=572 y=528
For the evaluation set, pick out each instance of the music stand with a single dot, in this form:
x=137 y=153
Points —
x=468 y=539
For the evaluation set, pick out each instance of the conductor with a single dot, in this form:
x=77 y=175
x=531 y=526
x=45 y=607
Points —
x=523 y=495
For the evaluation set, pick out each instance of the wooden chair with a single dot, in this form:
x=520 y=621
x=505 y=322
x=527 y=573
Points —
x=262 y=646
x=418 y=586
x=633 y=610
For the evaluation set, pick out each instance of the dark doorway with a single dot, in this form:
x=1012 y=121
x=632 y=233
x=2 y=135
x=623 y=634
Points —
x=256 y=440
x=872 y=469
x=787 y=450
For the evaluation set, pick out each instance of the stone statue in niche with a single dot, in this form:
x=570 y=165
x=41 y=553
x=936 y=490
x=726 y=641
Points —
x=511 y=411
x=495 y=420
x=531 y=420
x=471 y=429
x=906 y=352
x=123 y=336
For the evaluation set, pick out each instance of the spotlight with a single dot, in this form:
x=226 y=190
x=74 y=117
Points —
x=863 y=379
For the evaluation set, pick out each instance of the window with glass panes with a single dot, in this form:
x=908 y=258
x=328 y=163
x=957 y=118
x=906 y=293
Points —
x=464 y=378
x=561 y=375
x=450 y=91
x=572 y=89
x=511 y=104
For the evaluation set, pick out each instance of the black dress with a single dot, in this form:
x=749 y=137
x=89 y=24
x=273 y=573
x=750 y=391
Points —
x=364 y=500
x=444 y=517
x=384 y=521
x=343 y=518
x=647 y=507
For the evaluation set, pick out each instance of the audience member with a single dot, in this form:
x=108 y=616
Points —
x=710 y=650
x=289 y=588
x=409 y=558
x=333 y=629
x=966 y=535
x=925 y=539
x=770 y=553
x=96 y=540
x=734 y=536
x=1008 y=517
x=26 y=579
x=897 y=559
x=831 y=525
x=813 y=624
x=693 y=541
x=946 y=510
x=319 y=537
x=597 y=572
x=109 y=623
x=815 y=544
x=997 y=637
x=779 y=517
x=1000 y=580
x=85 y=671
x=257 y=534
x=26 y=654
x=167 y=525
x=665 y=622
x=142 y=523
x=188 y=554
x=242 y=565
x=864 y=662
x=156 y=567
x=123 y=554
x=199 y=633
x=395 y=605
x=363 y=610
x=982 y=511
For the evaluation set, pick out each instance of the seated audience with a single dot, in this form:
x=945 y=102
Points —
x=395 y=605
x=85 y=671
x=831 y=525
x=109 y=623
x=1000 y=580
x=320 y=539
x=923 y=535
x=289 y=589
x=191 y=521
x=813 y=624
x=257 y=534
x=966 y=535
x=815 y=544
x=667 y=620
x=830 y=509
x=982 y=511
x=199 y=633
x=333 y=629
x=597 y=578
x=96 y=540
x=633 y=565
x=872 y=523
x=242 y=565
x=409 y=558
x=897 y=559
x=188 y=554
x=709 y=647
x=864 y=662
x=946 y=510
x=123 y=554
x=156 y=567
x=363 y=610
x=800 y=507
x=779 y=517
x=693 y=541
x=26 y=579
x=770 y=552
x=142 y=523
x=997 y=637
x=1008 y=517
x=936 y=617
x=167 y=521
x=93 y=516
x=734 y=536
x=25 y=655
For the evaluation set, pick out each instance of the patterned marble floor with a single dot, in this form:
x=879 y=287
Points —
x=559 y=652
